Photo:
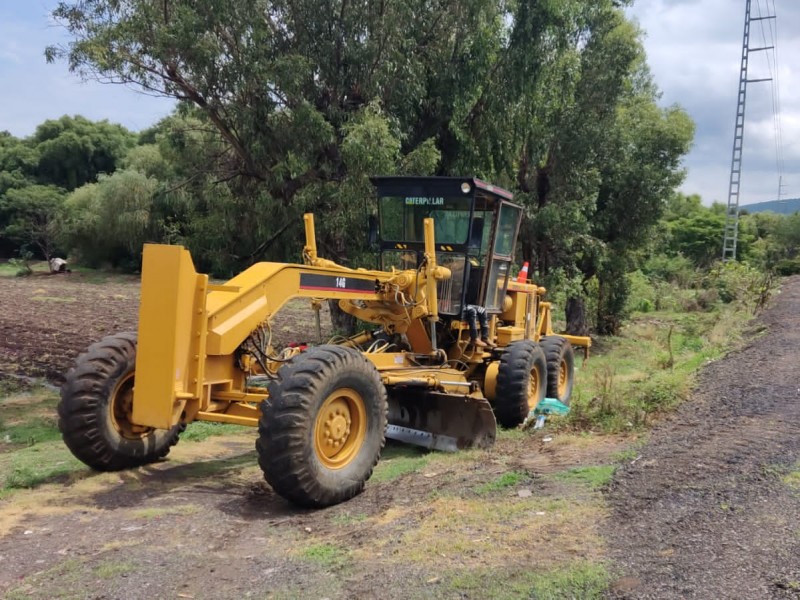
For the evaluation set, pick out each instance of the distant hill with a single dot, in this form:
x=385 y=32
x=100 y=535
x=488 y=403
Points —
x=782 y=207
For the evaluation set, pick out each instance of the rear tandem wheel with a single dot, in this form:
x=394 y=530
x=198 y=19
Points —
x=322 y=428
x=521 y=382
x=560 y=367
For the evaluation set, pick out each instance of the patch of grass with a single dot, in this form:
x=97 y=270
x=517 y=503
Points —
x=325 y=555
x=29 y=419
x=581 y=579
x=792 y=478
x=504 y=481
x=110 y=569
x=649 y=368
x=156 y=512
x=348 y=518
x=66 y=300
x=37 y=464
x=16 y=267
x=397 y=461
x=68 y=574
x=594 y=477
x=511 y=434
x=453 y=531
x=201 y=430
x=37 y=430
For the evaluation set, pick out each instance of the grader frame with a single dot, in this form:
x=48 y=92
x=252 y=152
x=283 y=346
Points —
x=204 y=353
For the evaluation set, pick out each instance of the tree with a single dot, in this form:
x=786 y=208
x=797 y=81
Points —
x=108 y=222
x=294 y=102
x=32 y=217
x=74 y=151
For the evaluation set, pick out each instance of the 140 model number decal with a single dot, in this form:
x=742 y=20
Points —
x=333 y=283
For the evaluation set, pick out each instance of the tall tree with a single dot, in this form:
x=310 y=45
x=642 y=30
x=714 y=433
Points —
x=296 y=101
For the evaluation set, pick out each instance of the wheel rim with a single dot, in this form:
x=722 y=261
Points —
x=563 y=378
x=121 y=407
x=341 y=428
x=534 y=385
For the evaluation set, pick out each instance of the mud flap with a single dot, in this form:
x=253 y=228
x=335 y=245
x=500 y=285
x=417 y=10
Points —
x=440 y=421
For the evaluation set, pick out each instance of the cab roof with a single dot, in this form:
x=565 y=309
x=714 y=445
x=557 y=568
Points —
x=443 y=186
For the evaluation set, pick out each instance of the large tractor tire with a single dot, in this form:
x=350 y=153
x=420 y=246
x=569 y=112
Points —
x=95 y=407
x=322 y=428
x=560 y=368
x=521 y=382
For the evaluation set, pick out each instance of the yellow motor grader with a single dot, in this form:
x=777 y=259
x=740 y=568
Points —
x=204 y=351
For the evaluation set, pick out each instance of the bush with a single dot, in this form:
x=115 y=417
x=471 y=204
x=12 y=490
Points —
x=788 y=266
x=642 y=295
x=741 y=283
x=677 y=270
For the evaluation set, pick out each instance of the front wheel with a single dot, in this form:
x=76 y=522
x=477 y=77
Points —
x=95 y=408
x=322 y=428
x=521 y=382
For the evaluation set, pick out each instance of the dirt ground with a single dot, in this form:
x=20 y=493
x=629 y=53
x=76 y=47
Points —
x=47 y=320
x=702 y=510
x=705 y=510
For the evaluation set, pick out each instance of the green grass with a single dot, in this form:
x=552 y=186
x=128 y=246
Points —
x=584 y=580
x=594 y=477
x=792 y=478
x=15 y=268
x=325 y=555
x=201 y=430
x=37 y=455
x=504 y=481
x=35 y=431
x=68 y=573
x=397 y=461
x=37 y=464
x=347 y=519
x=111 y=569
x=647 y=371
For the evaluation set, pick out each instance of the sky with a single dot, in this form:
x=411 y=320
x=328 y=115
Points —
x=693 y=48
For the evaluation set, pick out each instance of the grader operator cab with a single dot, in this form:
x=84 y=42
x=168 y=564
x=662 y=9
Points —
x=204 y=351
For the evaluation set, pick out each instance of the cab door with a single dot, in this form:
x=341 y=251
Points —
x=499 y=261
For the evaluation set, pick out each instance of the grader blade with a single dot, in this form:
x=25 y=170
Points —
x=441 y=421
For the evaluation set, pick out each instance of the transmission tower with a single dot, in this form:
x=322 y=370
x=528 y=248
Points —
x=732 y=212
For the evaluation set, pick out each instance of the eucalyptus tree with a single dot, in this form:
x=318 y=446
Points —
x=297 y=101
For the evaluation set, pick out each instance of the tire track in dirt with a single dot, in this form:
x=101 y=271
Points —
x=703 y=511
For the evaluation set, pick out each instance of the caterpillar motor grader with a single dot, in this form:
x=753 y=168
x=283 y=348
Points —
x=204 y=351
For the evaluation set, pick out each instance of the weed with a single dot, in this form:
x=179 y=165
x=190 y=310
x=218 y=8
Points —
x=581 y=579
x=33 y=465
x=399 y=460
x=505 y=480
x=346 y=519
x=111 y=569
x=68 y=573
x=325 y=555
x=792 y=478
x=37 y=430
x=595 y=476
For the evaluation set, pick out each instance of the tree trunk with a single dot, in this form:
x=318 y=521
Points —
x=575 y=312
x=343 y=323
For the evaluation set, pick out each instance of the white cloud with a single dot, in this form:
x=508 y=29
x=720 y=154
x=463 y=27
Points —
x=694 y=51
